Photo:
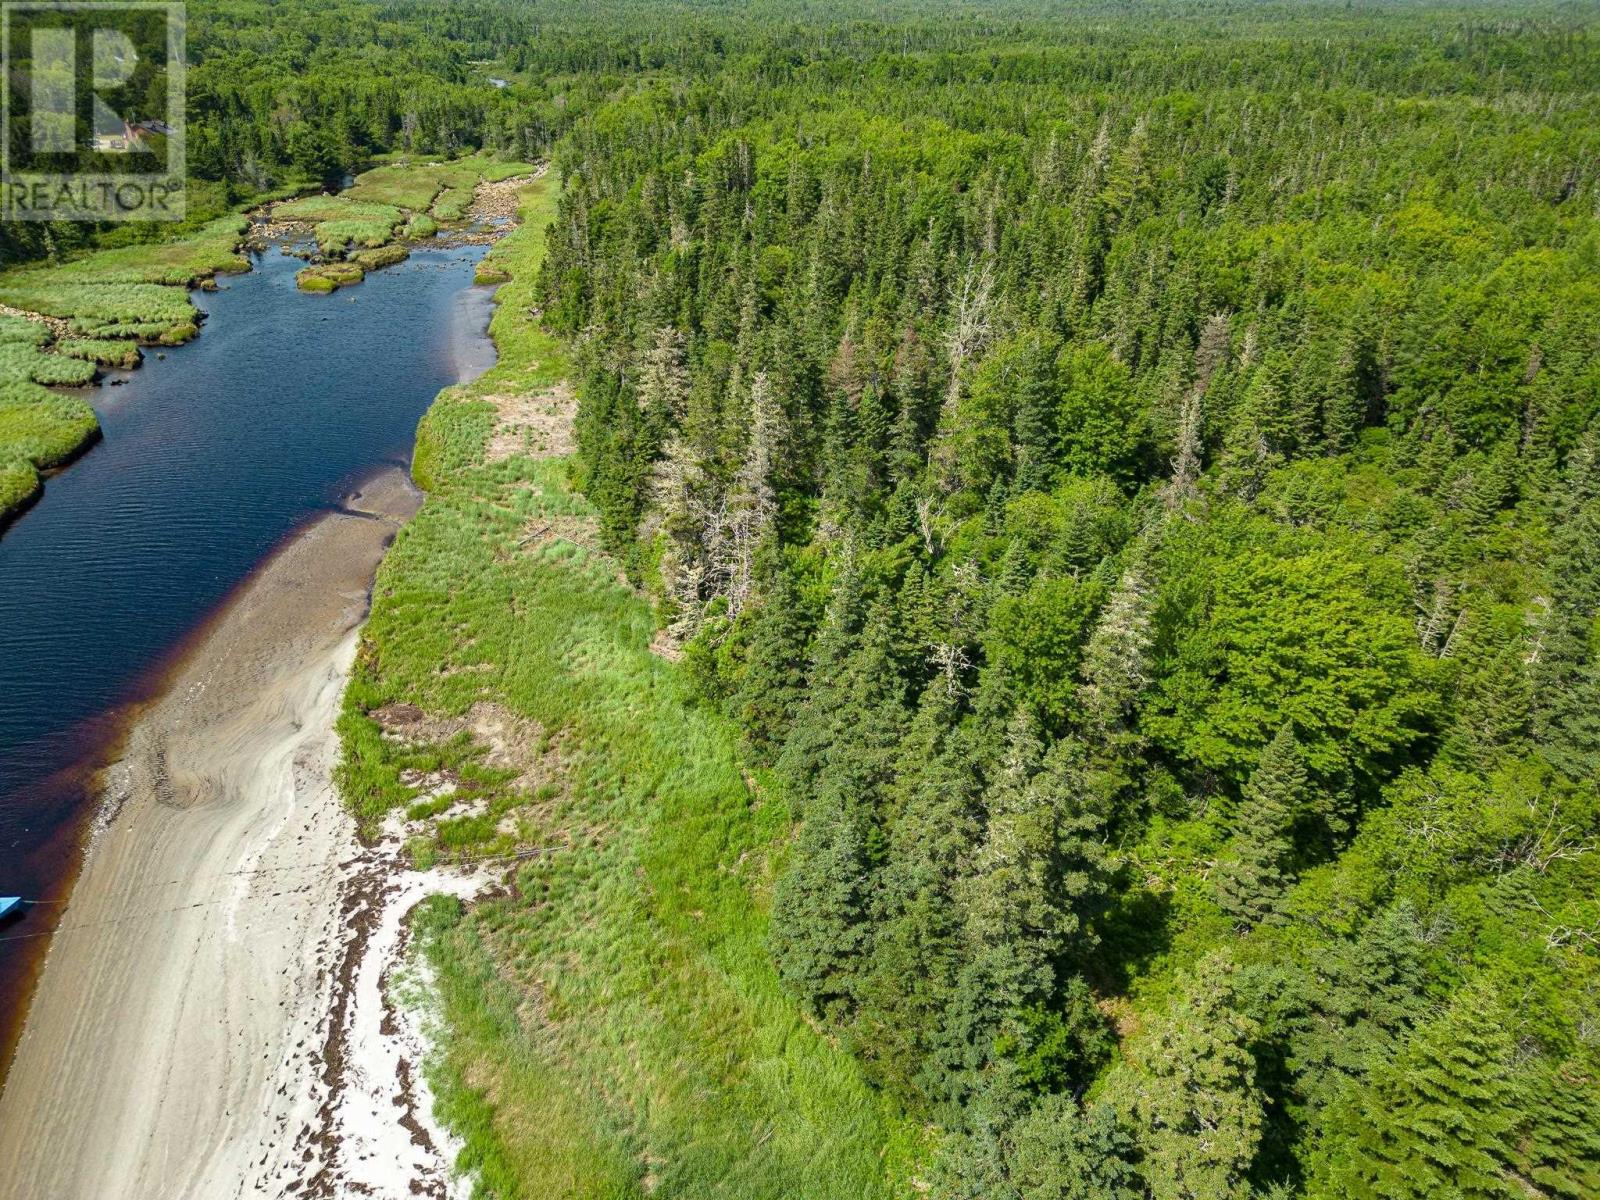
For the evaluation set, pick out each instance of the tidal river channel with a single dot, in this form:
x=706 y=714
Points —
x=211 y=457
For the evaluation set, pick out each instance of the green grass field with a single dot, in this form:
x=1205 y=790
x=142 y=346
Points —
x=614 y=1026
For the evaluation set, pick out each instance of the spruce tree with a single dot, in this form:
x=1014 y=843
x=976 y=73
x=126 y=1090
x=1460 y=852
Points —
x=1435 y=1122
x=774 y=685
x=1362 y=998
x=663 y=386
x=935 y=801
x=1038 y=867
x=819 y=908
x=1062 y=1151
x=806 y=747
x=1253 y=875
x=1188 y=1089
x=1036 y=396
x=1255 y=435
x=1558 y=1146
x=1314 y=366
x=752 y=507
x=820 y=911
x=684 y=493
x=1565 y=664
x=1344 y=402
x=1011 y=908
x=1116 y=659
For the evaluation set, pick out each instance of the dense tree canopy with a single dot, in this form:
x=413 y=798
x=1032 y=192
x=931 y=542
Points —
x=1132 y=480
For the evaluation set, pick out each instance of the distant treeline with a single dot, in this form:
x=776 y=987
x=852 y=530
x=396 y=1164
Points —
x=304 y=92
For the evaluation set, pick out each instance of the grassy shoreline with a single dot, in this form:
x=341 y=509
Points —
x=612 y=1024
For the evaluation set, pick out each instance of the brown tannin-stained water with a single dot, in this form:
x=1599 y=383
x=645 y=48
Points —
x=210 y=459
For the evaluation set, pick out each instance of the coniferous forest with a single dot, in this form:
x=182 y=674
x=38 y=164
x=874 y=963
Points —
x=1129 y=477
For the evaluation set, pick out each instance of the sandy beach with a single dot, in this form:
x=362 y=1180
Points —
x=211 y=1020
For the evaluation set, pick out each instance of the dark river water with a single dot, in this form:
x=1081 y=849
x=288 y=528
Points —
x=210 y=459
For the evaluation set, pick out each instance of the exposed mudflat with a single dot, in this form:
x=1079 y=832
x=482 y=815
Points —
x=211 y=1021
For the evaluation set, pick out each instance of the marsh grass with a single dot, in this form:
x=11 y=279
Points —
x=137 y=291
x=110 y=300
x=338 y=273
x=614 y=1024
x=325 y=277
x=416 y=185
x=43 y=426
x=21 y=361
x=381 y=256
x=39 y=429
x=14 y=330
x=400 y=199
x=19 y=484
x=399 y=185
x=357 y=229
x=337 y=237
x=452 y=204
x=141 y=331
x=108 y=352
x=342 y=222
x=421 y=227
x=339 y=207
x=101 y=309
x=210 y=251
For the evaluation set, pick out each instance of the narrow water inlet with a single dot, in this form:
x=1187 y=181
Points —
x=211 y=457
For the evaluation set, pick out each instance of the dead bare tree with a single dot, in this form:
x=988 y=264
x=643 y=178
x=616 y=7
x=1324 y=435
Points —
x=753 y=506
